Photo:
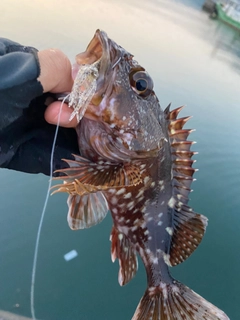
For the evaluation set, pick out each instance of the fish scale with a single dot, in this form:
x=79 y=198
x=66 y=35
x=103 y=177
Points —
x=135 y=161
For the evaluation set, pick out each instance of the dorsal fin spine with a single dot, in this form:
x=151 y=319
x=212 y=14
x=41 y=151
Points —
x=188 y=226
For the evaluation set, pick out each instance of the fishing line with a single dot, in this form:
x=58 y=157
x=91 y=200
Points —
x=43 y=214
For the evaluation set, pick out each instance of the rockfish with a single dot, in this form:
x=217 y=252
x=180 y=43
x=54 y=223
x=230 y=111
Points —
x=135 y=161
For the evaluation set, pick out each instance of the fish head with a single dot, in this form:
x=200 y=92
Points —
x=124 y=100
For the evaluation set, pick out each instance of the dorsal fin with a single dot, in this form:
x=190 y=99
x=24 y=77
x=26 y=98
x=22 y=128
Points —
x=188 y=226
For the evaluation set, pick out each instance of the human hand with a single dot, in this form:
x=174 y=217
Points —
x=56 y=77
x=25 y=136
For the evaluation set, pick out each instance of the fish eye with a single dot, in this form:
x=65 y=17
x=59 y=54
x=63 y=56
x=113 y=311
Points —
x=141 y=82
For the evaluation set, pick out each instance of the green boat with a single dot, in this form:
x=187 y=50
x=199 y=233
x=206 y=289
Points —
x=229 y=13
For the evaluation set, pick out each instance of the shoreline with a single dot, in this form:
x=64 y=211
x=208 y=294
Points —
x=5 y=315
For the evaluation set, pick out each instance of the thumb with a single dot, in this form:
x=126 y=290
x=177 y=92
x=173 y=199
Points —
x=55 y=71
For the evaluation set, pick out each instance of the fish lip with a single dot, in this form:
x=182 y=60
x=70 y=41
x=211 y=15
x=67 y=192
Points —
x=97 y=50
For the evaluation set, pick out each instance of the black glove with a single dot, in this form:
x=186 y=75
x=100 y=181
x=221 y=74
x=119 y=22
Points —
x=25 y=137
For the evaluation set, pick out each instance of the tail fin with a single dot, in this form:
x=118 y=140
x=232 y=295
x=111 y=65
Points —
x=175 y=302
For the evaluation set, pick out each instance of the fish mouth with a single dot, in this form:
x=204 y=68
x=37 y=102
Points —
x=94 y=50
x=95 y=77
x=98 y=50
x=105 y=51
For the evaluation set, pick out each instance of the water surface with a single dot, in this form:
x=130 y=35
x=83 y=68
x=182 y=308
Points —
x=194 y=61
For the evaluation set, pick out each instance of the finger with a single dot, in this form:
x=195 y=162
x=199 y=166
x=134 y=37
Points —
x=52 y=112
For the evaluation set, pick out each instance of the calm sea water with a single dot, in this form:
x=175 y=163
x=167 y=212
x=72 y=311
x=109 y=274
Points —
x=194 y=61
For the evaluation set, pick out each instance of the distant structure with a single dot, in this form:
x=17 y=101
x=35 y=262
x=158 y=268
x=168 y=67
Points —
x=209 y=5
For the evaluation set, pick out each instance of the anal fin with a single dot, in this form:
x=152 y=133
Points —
x=87 y=210
x=124 y=251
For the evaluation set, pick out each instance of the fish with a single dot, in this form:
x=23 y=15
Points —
x=135 y=160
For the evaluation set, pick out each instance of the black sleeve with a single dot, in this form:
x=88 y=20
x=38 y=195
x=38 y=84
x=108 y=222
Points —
x=25 y=137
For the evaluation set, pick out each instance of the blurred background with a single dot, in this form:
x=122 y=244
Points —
x=194 y=61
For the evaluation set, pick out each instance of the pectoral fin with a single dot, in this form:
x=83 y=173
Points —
x=83 y=176
x=86 y=211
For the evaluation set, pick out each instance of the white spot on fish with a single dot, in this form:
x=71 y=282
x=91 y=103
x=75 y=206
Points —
x=153 y=184
x=127 y=195
x=120 y=236
x=161 y=182
x=175 y=289
x=169 y=230
x=164 y=290
x=134 y=228
x=155 y=260
x=144 y=209
x=146 y=179
x=136 y=221
x=114 y=210
x=166 y=258
x=123 y=229
x=146 y=232
x=140 y=193
x=114 y=200
x=121 y=191
x=160 y=223
x=160 y=214
x=130 y=205
x=162 y=203
x=112 y=191
x=141 y=198
x=171 y=202
x=124 y=118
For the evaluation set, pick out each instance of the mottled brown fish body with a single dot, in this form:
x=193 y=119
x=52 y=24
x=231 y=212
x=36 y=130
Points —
x=136 y=162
